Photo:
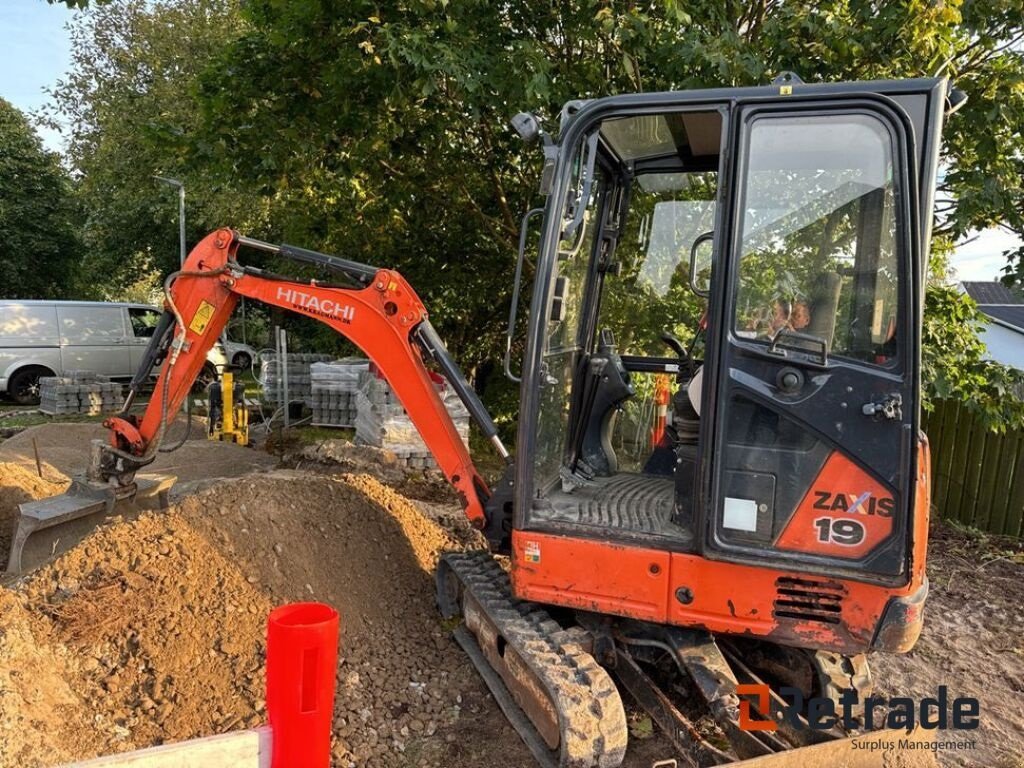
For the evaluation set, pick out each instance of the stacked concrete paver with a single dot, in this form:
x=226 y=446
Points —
x=79 y=392
x=334 y=387
x=300 y=383
x=382 y=422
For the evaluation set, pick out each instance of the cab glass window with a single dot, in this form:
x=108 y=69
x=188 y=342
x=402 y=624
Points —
x=649 y=291
x=818 y=267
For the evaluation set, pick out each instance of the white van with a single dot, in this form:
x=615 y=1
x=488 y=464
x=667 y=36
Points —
x=46 y=338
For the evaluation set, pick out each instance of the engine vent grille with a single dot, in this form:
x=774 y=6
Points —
x=808 y=600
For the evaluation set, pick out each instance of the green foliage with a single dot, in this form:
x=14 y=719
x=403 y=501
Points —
x=38 y=244
x=953 y=366
x=378 y=130
x=128 y=101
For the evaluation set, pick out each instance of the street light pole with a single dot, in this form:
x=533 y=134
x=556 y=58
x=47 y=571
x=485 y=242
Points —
x=181 y=212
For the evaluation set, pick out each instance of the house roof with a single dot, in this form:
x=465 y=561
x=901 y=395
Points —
x=997 y=302
x=1011 y=316
x=990 y=292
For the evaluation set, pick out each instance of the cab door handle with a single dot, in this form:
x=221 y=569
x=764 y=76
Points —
x=888 y=408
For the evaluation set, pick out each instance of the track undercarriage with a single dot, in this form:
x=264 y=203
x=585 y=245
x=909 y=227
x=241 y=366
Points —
x=553 y=680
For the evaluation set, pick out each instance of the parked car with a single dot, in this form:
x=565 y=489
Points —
x=46 y=338
x=241 y=355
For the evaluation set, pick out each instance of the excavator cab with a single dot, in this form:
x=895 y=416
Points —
x=720 y=464
x=764 y=249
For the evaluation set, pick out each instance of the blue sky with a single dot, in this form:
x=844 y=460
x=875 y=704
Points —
x=35 y=54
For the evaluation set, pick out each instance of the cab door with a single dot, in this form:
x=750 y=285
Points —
x=810 y=464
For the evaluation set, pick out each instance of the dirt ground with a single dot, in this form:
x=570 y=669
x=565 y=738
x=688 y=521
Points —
x=151 y=629
x=972 y=642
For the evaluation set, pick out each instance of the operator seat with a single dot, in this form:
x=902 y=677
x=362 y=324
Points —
x=824 y=306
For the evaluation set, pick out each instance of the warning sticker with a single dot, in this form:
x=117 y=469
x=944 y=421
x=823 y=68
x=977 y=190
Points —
x=532 y=552
x=201 y=318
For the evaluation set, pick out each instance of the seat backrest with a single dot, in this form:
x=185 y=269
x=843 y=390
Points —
x=824 y=305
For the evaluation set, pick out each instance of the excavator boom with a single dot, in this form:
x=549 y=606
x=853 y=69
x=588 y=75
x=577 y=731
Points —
x=381 y=314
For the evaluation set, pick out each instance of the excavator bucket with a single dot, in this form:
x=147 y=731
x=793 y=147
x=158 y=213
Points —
x=83 y=498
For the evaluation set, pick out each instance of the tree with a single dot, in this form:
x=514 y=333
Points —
x=38 y=244
x=74 y=3
x=379 y=128
x=129 y=104
x=990 y=390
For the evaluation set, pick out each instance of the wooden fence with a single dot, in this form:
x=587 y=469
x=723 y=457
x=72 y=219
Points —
x=977 y=475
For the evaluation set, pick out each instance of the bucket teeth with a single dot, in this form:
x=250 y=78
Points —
x=562 y=702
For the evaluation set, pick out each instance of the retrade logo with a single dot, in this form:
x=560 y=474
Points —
x=930 y=713
x=764 y=698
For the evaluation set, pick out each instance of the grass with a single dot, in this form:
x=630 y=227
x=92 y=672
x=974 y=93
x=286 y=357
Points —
x=21 y=416
x=309 y=435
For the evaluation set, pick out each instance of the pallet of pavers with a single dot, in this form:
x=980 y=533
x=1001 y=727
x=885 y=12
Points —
x=79 y=392
x=334 y=387
x=299 y=377
x=382 y=422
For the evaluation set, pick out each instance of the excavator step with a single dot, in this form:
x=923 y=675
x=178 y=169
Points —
x=561 y=701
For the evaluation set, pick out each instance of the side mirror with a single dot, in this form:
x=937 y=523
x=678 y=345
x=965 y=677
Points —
x=700 y=264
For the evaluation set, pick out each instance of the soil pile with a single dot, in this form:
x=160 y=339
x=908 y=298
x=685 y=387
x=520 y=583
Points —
x=342 y=456
x=406 y=695
x=153 y=630
x=141 y=634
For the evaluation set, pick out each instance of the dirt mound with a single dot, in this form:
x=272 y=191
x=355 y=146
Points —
x=403 y=686
x=345 y=457
x=43 y=719
x=142 y=634
x=152 y=630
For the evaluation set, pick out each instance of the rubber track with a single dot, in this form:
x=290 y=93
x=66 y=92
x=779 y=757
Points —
x=592 y=721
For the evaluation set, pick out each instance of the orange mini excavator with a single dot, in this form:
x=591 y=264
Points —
x=734 y=575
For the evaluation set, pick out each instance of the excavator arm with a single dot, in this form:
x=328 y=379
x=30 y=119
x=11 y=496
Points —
x=382 y=315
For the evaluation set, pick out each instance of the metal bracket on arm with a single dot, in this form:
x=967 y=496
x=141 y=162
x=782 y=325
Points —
x=588 y=182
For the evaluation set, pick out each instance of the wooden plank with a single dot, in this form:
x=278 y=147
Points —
x=931 y=423
x=1014 y=524
x=959 y=456
x=992 y=484
x=1004 y=482
x=972 y=474
x=942 y=456
x=240 y=749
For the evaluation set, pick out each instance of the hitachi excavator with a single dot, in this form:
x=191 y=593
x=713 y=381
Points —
x=764 y=249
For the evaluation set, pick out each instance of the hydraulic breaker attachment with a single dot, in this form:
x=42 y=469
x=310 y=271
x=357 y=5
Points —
x=228 y=415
